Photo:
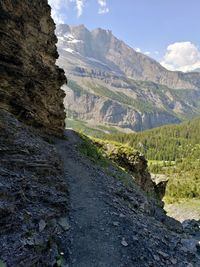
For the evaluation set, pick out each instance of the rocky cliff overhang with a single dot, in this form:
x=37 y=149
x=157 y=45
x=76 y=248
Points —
x=30 y=80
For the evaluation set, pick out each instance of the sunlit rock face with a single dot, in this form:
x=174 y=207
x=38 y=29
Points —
x=112 y=84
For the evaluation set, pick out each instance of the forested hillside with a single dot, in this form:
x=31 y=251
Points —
x=167 y=143
x=172 y=150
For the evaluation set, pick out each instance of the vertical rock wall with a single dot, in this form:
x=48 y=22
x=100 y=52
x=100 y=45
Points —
x=30 y=81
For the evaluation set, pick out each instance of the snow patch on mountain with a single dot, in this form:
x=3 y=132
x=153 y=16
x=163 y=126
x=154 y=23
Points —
x=69 y=38
x=96 y=60
x=69 y=50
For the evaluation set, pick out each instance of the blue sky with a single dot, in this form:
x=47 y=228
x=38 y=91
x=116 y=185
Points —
x=167 y=30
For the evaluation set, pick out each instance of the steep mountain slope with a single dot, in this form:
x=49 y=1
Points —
x=112 y=84
x=102 y=47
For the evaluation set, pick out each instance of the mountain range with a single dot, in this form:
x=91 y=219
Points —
x=112 y=85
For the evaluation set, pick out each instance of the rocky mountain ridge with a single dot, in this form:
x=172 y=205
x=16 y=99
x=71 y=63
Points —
x=116 y=86
x=101 y=45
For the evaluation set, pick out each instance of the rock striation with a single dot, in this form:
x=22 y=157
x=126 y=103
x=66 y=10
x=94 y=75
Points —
x=33 y=194
x=30 y=81
x=100 y=110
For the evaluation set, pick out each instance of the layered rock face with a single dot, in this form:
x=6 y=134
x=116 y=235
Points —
x=30 y=81
x=101 y=110
x=135 y=164
x=132 y=161
x=33 y=194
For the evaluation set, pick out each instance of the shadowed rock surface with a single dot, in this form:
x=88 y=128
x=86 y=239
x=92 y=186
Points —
x=30 y=81
x=33 y=194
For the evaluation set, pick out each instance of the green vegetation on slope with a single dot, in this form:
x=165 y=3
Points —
x=76 y=88
x=81 y=126
x=167 y=143
x=93 y=149
x=98 y=130
x=173 y=150
x=121 y=98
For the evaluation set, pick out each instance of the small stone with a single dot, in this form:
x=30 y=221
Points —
x=173 y=261
x=163 y=254
x=184 y=249
x=190 y=244
x=52 y=223
x=116 y=223
x=156 y=258
x=30 y=241
x=135 y=238
x=42 y=225
x=64 y=223
x=121 y=215
x=124 y=243
x=114 y=213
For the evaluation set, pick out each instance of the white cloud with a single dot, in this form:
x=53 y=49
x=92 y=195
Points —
x=182 y=56
x=79 y=7
x=55 y=4
x=57 y=18
x=103 y=9
x=139 y=50
x=58 y=6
